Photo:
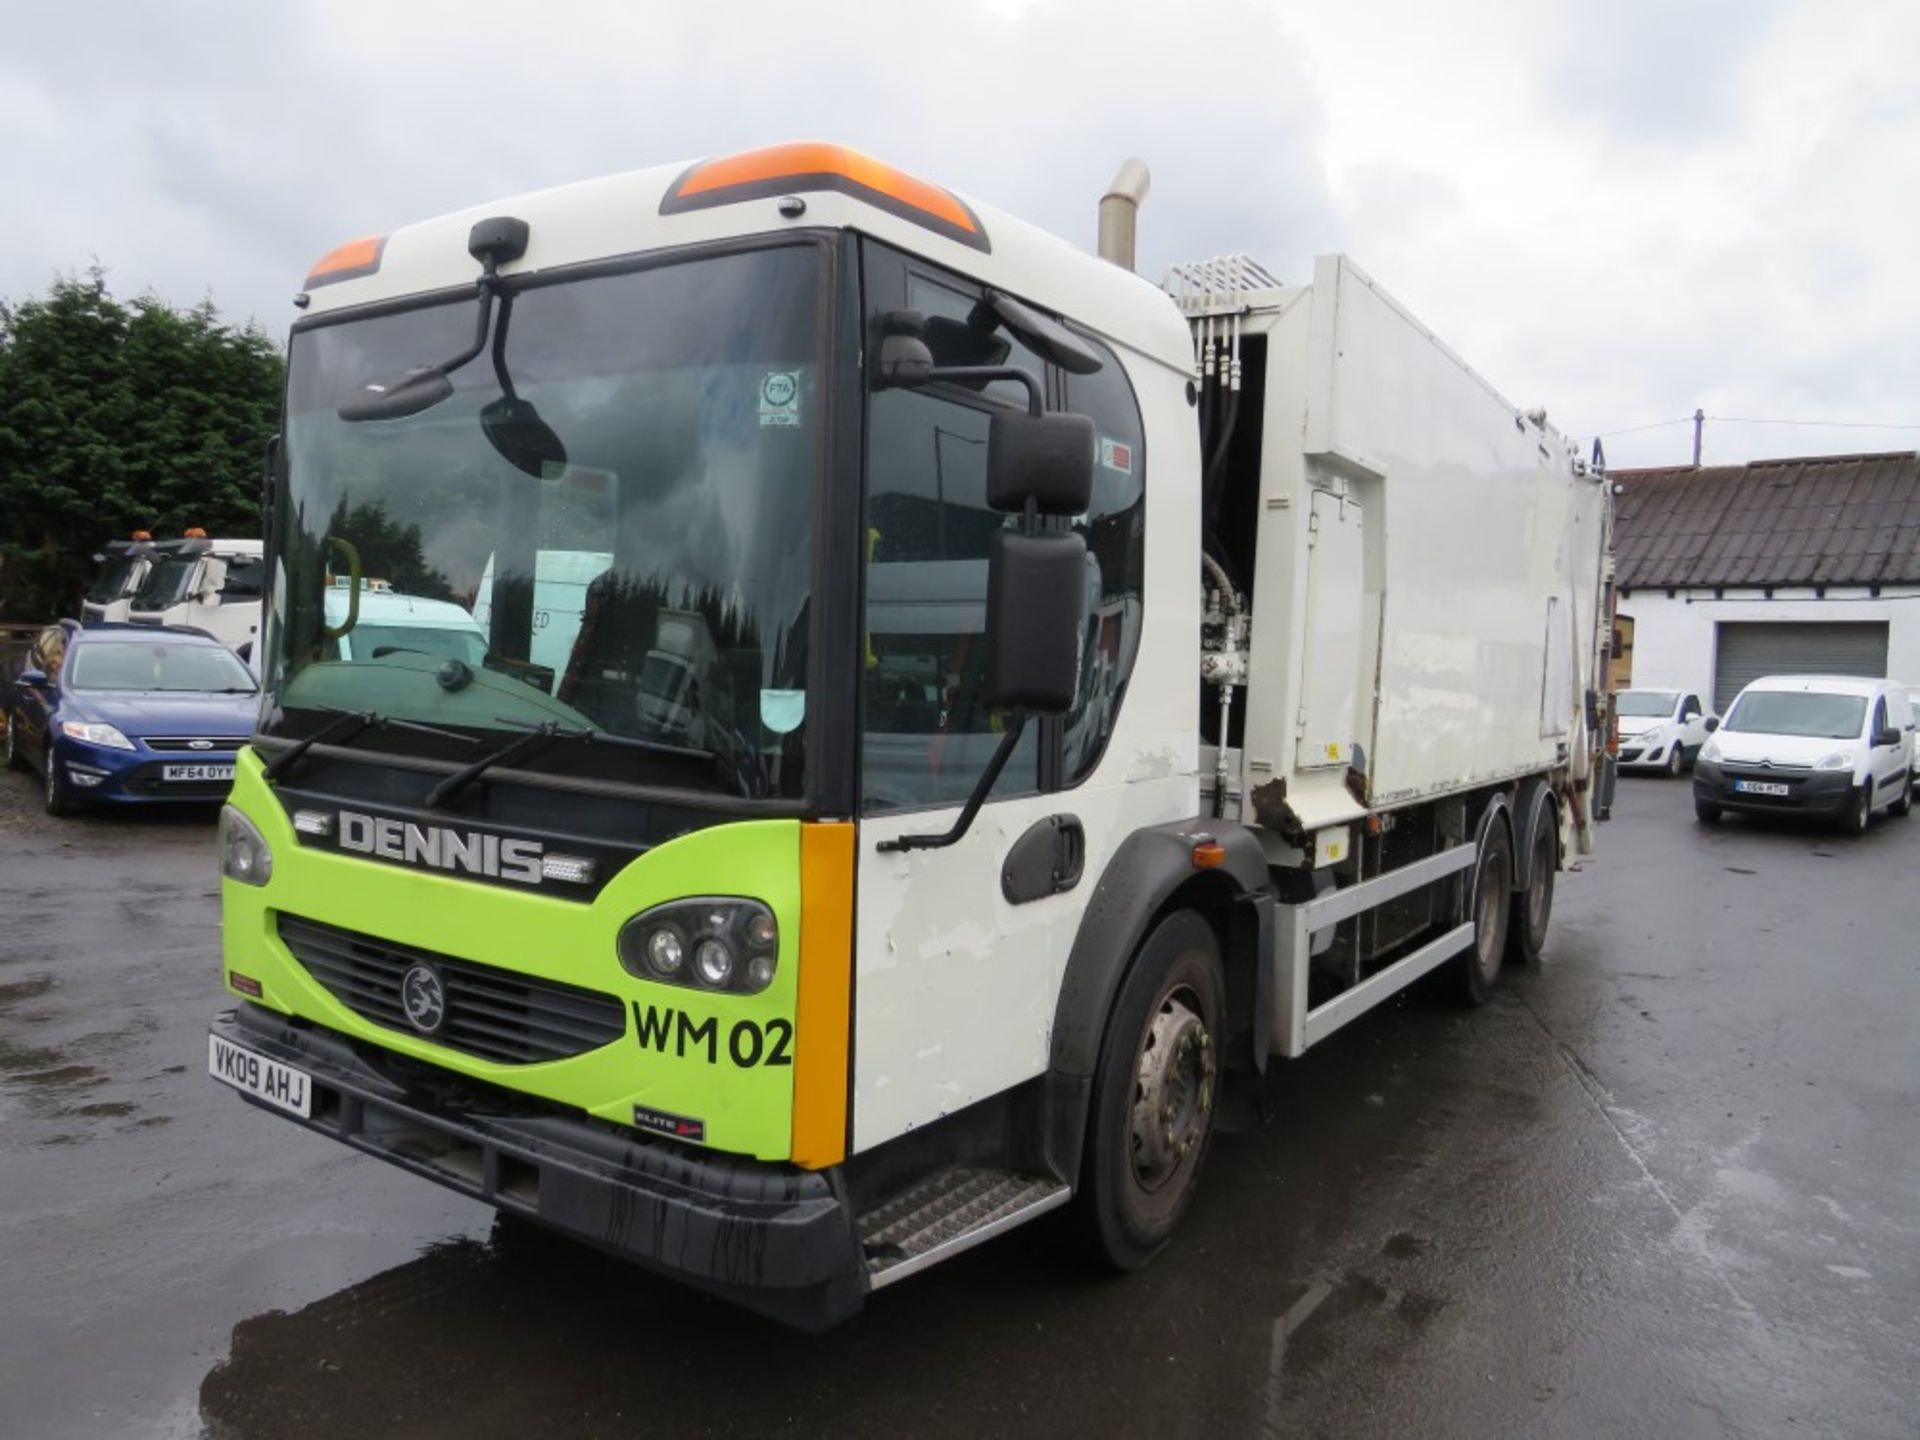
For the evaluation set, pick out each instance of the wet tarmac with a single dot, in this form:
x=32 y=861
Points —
x=1667 y=1185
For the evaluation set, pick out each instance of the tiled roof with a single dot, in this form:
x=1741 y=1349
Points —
x=1819 y=520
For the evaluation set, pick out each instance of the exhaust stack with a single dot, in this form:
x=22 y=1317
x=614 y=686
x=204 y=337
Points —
x=1120 y=212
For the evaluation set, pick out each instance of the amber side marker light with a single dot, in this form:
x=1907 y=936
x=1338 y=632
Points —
x=785 y=169
x=350 y=261
x=1208 y=853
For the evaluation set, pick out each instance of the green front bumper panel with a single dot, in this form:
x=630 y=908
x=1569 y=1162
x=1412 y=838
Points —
x=724 y=1061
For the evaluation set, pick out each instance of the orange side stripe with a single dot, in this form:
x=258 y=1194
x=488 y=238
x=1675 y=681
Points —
x=780 y=162
x=823 y=1013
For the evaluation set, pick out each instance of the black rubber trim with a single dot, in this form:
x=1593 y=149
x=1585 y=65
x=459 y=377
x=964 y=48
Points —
x=1144 y=872
x=770 y=1238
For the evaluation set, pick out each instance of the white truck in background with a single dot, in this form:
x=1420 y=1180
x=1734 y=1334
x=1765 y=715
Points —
x=204 y=584
x=123 y=566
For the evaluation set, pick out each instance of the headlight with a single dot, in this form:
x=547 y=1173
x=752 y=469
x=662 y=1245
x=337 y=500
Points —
x=244 y=855
x=1838 y=760
x=708 y=944
x=95 y=734
x=1710 y=752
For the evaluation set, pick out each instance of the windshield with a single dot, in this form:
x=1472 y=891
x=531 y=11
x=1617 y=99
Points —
x=133 y=665
x=1798 y=712
x=112 y=581
x=654 y=585
x=166 y=584
x=1648 y=702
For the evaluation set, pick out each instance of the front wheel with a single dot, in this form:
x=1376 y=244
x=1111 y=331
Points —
x=15 y=760
x=59 y=796
x=1154 y=1094
x=1676 y=762
x=1858 y=815
x=1706 y=812
x=1491 y=906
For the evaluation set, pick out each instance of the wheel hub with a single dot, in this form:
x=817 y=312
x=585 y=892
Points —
x=1173 y=1091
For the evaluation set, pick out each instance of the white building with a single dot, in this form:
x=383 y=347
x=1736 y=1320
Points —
x=1731 y=572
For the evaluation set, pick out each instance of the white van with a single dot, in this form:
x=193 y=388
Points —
x=210 y=585
x=1827 y=745
x=387 y=622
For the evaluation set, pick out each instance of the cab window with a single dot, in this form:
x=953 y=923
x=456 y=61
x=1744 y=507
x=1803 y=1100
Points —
x=1114 y=529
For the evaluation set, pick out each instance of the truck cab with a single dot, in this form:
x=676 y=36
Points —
x=203 y=584
x=123 y=565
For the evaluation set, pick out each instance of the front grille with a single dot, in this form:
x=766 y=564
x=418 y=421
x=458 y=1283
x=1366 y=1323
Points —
x=197 y=744
x=493 y=1014
x=151 y=780
x=1794 y=778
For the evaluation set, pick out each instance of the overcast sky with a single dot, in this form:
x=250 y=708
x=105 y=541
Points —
x=1620 y=209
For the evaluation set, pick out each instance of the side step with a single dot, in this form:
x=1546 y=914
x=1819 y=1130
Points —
x=948 y=1212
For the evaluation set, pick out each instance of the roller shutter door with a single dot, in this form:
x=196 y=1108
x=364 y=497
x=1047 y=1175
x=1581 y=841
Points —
x=1747 y=650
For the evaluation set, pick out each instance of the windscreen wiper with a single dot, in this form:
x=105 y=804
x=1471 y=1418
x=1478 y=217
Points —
x=345 y=725
x=538 y=738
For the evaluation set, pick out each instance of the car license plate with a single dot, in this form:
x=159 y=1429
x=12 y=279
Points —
x=279 y=1085
x=196 y=772
x=1760 y=787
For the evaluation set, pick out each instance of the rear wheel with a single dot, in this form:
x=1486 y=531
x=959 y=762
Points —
x=1706 y=812
x=15 y=760
x=1858 y=814
x=1904 y=805
x=1154 y=1095
x=1491 y=907
x=59 y=795
x=1533 y=906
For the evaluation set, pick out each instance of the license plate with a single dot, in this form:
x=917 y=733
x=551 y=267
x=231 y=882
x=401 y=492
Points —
x=196 y=772
x=1761 y=787
x=279 y=1085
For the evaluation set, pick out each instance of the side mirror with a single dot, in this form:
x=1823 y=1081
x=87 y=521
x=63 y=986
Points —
x=1036 y=599
x=34 y=679
x=1886 y=737
x=1713 y=724
x=1044 y=458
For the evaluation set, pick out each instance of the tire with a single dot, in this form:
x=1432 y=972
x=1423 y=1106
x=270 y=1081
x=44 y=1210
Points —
x=1490 y=905
x=1533 y=906
x=1159 y=1065
x=15 y=760
x=1706 y=812
x=1858 y=814
x=59 y=797
x=1676 y=762
x=1903 y=807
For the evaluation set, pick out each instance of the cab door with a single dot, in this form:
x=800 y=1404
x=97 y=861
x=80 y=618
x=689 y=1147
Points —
x=958 y=967
x=1888 y=764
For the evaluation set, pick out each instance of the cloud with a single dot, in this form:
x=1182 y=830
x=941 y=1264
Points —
x=1618 y=209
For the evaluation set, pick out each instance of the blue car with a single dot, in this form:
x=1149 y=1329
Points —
x=129 y=715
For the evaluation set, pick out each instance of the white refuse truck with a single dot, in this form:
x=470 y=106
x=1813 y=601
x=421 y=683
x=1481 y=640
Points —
x=1126 y=689
x=203 y=584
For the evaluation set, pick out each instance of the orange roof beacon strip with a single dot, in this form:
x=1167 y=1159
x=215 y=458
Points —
x=785 y=169
x=351 y=261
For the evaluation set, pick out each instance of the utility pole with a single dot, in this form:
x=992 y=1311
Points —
x=1699 y=423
